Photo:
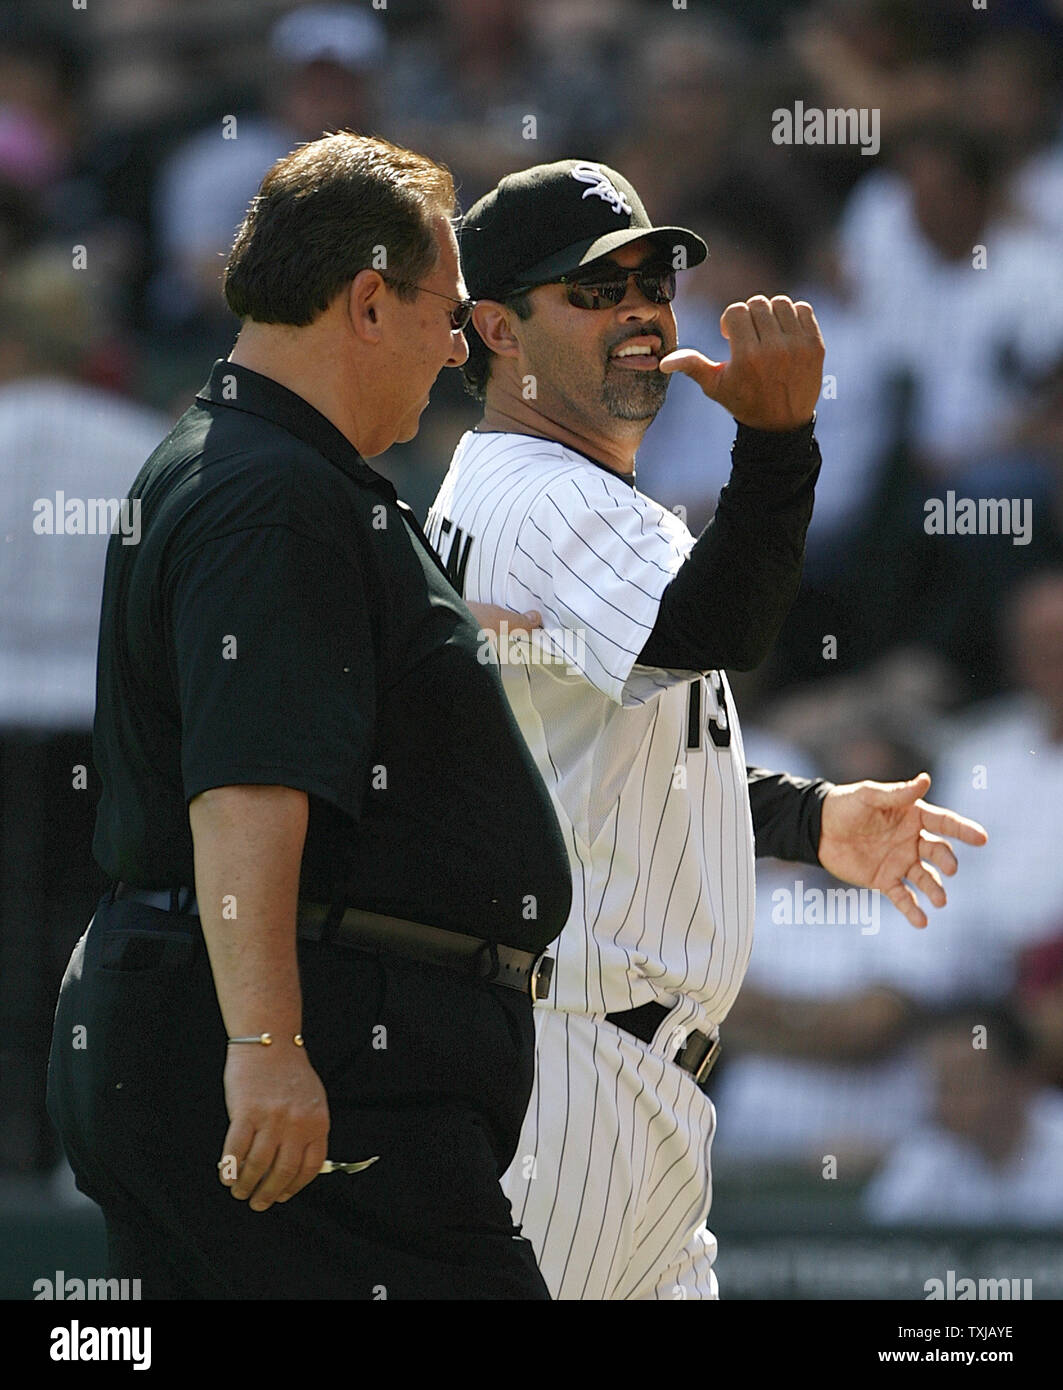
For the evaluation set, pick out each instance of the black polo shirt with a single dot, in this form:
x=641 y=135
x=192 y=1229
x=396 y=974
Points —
x=282 y=621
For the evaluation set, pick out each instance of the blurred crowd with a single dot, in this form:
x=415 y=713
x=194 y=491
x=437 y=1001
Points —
x=133 y=134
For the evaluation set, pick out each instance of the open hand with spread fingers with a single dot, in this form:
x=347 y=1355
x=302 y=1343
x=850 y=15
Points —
x=880 y=834
x=774 y=376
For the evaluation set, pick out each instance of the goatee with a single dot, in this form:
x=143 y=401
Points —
x=639 y=396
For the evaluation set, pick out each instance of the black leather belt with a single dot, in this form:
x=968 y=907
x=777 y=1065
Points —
x=362 y=930
x=699 y=1053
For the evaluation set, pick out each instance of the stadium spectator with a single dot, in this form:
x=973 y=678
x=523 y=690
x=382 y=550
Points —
x=889 y=56
x=1039 y=1001
x=62 y=445
x=691 y=82
x=495 y=85
x=956 y=289
x=1010 y=87
x=966 y=576
x=42 y=88
x=1004 y=766
x=325 y=62
x=991 y=1151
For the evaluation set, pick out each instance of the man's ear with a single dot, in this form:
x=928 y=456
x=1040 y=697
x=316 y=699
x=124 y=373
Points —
x=365 y=304
x=493 y=321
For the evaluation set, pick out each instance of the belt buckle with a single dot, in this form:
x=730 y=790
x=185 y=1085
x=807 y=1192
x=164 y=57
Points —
x=707 y=1062
x=541 y=975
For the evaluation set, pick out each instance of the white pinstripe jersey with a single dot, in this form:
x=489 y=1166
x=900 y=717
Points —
x=645 y=767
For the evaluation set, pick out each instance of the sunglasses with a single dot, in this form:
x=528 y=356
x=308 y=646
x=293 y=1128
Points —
x=607 y=291
x=459 y=317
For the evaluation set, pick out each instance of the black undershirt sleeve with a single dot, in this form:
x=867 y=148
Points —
x=787 y=814
x=727 y=603
x=725 y=606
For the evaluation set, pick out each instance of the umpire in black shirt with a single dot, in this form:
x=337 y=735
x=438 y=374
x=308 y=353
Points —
x=335 y=867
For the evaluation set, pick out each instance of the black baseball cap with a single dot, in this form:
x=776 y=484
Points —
x=550 y=220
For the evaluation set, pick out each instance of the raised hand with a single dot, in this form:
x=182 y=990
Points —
x=774 y=376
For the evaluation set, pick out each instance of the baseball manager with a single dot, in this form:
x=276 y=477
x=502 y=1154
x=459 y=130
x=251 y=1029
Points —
x=632 y=724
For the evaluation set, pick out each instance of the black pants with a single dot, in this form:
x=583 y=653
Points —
x=427 y=1069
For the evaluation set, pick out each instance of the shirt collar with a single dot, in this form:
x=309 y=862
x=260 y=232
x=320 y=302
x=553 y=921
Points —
x=628 y=478
x=239 y=388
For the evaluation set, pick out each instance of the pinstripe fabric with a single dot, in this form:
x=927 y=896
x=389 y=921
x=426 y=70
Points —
x=647 y=773
x=611 y=1181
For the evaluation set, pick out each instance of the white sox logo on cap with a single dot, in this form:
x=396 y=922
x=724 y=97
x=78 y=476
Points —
x=602 y=187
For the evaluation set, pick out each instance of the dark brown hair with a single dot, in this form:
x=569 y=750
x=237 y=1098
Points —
x=329 y=209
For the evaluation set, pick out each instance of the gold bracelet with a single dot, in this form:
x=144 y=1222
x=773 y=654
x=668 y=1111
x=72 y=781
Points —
x=265 y=1039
